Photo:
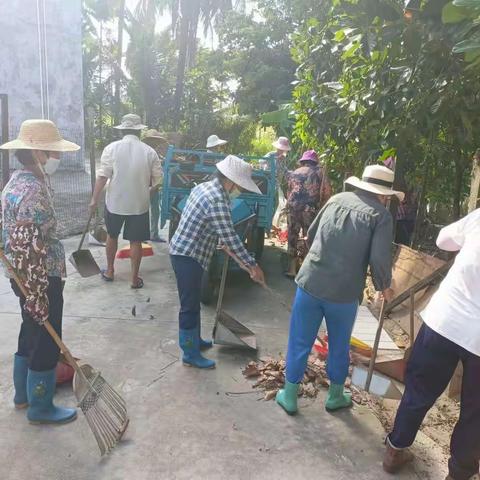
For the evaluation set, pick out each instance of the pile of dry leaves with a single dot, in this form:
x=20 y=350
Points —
x=270 y=376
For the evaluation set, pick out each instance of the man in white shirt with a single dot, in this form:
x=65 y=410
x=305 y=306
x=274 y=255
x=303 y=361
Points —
x=132 y=169
x=450 y=333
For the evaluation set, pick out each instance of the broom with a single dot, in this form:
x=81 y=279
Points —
x=104 y=409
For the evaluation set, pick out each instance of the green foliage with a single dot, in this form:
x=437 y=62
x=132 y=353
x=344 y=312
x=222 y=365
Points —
x=466 y=12
x=151 y=61
x=257 y=57
x=371 y=83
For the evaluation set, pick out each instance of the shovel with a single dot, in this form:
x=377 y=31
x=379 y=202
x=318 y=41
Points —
x=83 y=260
x=227 y=330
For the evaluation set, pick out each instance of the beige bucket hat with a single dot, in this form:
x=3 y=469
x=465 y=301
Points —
x=215 y=141
x=376 y=179
x=131 y=121
x=154 y=135
x=239 y=172
x=282 y=143
x=40 y=135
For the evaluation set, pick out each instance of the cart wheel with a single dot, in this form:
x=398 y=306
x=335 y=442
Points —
x=256 y=242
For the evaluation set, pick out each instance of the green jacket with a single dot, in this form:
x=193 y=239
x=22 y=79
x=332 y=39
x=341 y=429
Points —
x=351 y=232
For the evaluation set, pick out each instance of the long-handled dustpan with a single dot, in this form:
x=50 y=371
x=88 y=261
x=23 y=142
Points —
x=373 y=382
x=83 y=260
x=104 y=409
x=227 y=330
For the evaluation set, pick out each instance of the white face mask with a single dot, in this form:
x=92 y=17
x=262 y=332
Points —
x=51 y=166
x=234 y=193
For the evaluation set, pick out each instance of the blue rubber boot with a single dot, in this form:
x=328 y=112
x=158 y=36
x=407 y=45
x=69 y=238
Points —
x=40 y=391
x=337 y=398
x=287 y=397
x=190 y=344
x=204 y=344
x=20 y=371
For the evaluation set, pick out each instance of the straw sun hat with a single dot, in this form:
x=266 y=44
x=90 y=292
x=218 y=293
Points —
x=40 y=135
x=215 y=141
x=239 y=172
x=376 y=179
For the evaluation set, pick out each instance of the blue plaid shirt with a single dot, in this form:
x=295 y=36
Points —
x=206 y=222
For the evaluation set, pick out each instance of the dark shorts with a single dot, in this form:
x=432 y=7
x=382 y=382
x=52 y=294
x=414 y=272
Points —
x=136 y=228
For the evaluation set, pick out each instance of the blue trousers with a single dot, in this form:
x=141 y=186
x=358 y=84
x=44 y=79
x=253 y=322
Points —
x=307 y=316
x=189 y=281
x=431 y=366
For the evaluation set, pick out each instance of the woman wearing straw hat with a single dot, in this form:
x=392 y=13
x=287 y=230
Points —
x=206 y=222
x=308 y=188
x=351 y=232
x=31 y=243
x=282 y=147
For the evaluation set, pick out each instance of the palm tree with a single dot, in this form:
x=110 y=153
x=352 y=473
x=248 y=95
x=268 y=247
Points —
x=186 y=16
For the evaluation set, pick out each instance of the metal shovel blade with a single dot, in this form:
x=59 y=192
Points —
x=84 y=263
x=380 y=385
x=231 y=332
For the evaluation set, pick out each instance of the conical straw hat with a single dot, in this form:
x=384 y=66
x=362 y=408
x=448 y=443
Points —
x=40 y=135
x=239 y=172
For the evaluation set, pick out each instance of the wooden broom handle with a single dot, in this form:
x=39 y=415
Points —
x=47 y=324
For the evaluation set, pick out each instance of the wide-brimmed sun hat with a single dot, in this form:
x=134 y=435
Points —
x=309 y=156
x=239 y=172
x=131 y=121
x=282 y=143
x=155 y=136
x=40 y=135
x=376 y=179
x=215 y=141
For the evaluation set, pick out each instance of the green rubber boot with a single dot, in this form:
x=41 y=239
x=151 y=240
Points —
x=337 y=398
x=287 y=397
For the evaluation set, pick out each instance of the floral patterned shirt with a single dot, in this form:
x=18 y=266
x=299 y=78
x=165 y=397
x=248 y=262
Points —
x=27 y=199
x=308 y=186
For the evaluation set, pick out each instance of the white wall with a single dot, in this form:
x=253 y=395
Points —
x=21 y=57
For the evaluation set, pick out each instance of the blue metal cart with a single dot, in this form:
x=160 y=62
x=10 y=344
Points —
x=252 y=213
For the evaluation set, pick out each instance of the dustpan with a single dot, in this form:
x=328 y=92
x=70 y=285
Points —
x=147 y=251
x=82 y=259
x=227 y=330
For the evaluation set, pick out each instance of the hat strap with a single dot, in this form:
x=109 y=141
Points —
x=377 y=181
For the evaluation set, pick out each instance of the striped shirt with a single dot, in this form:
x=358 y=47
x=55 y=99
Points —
x=205 y=223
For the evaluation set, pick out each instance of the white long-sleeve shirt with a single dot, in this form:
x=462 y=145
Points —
x=132 y=167
x=454 y=310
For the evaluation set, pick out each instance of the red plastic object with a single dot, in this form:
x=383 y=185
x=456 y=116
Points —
x=64 y=373
x=147 y=251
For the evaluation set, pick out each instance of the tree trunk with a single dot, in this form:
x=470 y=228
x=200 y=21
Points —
x=458 y=186
x=475 y=183
x=100 y=72
x=118 y=67
x=188 y=23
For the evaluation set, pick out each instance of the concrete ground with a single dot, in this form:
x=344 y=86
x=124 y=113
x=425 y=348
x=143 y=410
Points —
x=185 y=423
